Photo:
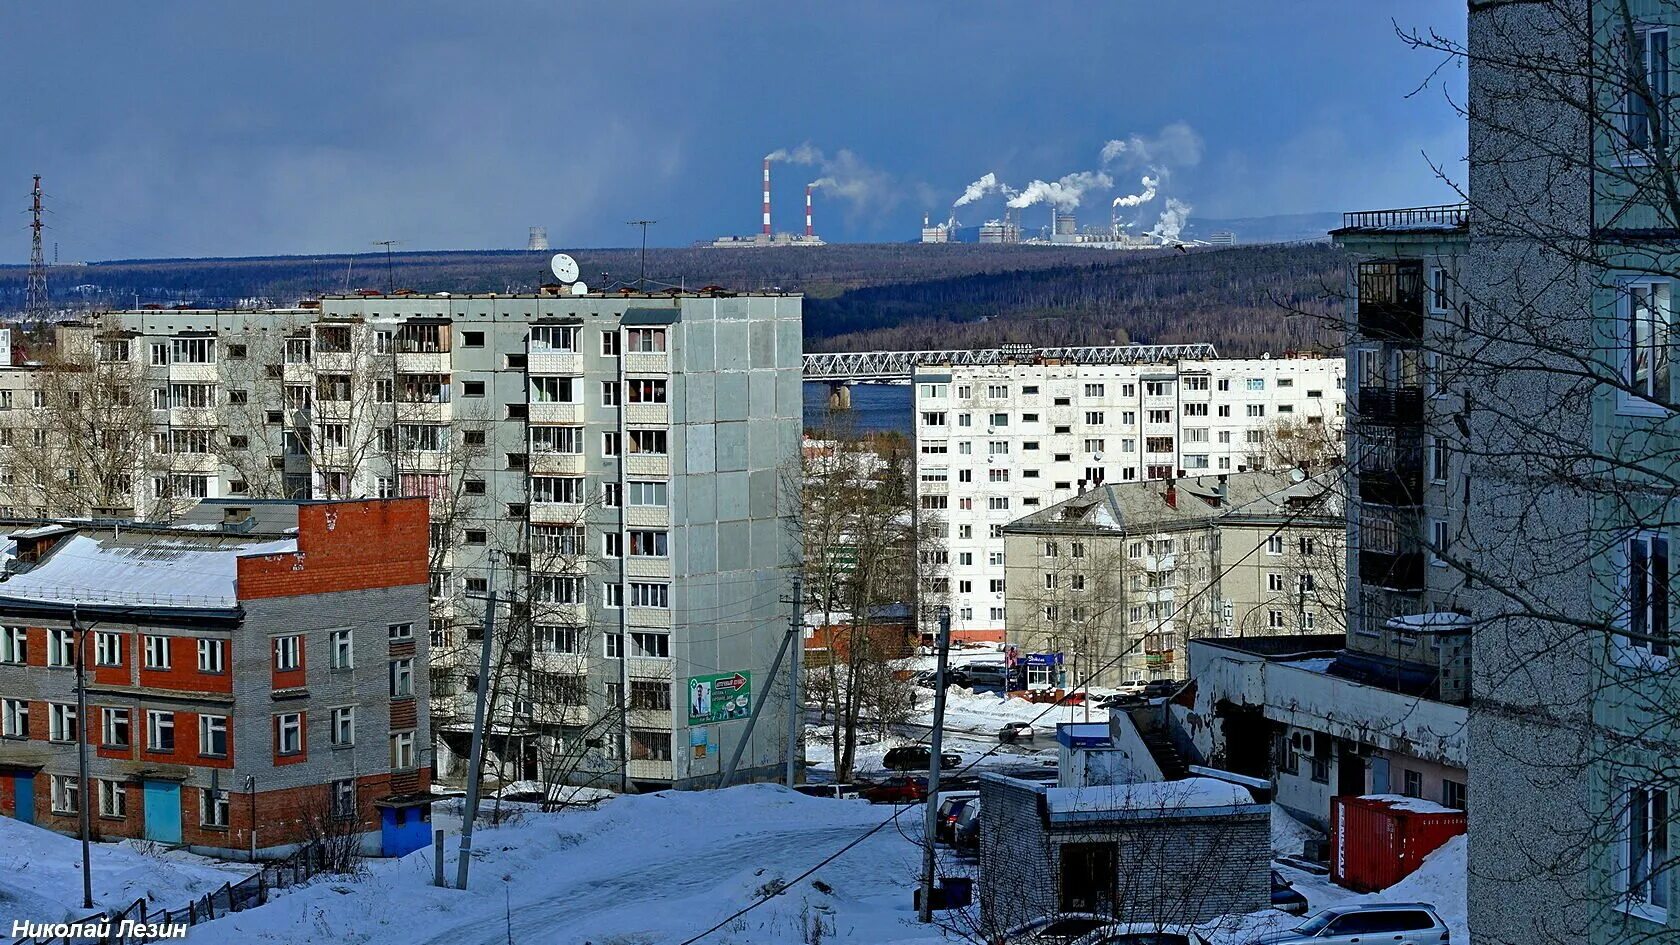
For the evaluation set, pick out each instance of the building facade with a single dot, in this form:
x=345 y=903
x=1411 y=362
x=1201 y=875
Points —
x=994 y=443
x=1110 y=586
x=609 y=466
x=250 y=687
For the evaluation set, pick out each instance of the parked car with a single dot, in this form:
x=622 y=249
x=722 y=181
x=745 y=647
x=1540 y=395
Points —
x=1061 y=929
x=1132 y=687
x=986 y=676
x=1161 y=688
x=1284 y=896
x=1141 y=933
x=897 y=791
x=1016 y=731
x=965 y=834
x=917 y=758
x=950 y=808
x=1403 y=923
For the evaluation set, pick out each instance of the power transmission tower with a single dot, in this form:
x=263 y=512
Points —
x=36 y=307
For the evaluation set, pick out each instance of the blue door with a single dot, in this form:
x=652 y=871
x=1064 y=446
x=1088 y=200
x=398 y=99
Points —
x=23 y=791
x=163 y=811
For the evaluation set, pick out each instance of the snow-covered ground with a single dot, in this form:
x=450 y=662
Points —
x=41 y=875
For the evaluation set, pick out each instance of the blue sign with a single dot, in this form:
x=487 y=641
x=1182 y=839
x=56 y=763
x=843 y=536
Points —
x=1044 y=659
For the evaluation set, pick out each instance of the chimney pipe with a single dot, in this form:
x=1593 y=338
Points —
x=1172 y=494
x=808 y=231
x=766 y=228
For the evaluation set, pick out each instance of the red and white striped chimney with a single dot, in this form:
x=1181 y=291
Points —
x=808 y=231
x=766 y=230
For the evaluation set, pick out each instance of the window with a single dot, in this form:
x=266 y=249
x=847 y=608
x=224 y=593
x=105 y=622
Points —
x=1437 y=293
x=648 y=544
x=193 y=350
x=557 y=489
x=61 y=648
x=652 y=442
x=1645 y=579
x=646 y=391
x=1645 y=102
x=1160 y=416
x=113 y=799
x=650 y=595
x=399 y=632
x=645 y=340
x=343 y=793
x=1308 y=585
x=1644 y=333
x=1093 y=390
x=1274 y=545
x=648 y=494
x=157 y=652
x=14 y=645
x=1256 y=383
x=1274 y=582
x=286 y=656
x=213 y=808
x=1438 y=540
x=213 y=736
x=66 y=794
x=472 y=339
x=402 y=678
x=160 y=731
x=995 y=585
x=343 y=730
x=1093 y=418
x=212 y=656
x=609 y=394
x=1275 y=619
x=650 y=746
x=14 y=718
x=288 y=733
x=567 y=440
x=552 y=390
x=1454 y=794
x=402 y=750
x=1643 y=868
x=1413 y=783
x=341 y=645
x=997 y=420
x=1256 y=410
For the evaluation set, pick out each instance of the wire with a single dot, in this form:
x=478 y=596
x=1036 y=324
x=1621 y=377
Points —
x=1294 y=516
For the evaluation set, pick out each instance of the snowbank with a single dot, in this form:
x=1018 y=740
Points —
x=1147 y=796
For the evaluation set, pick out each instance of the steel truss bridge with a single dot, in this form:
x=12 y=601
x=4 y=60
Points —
x=900 y=365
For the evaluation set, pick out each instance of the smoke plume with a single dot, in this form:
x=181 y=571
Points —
x=844 y=175
x=1142 y=197
x=1172 y=221
x=1176 y=145
x=980 y=188
x=1065 y=193
x=804 y=154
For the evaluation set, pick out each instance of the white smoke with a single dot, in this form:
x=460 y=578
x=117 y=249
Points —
x=1065 y=193
x=1142 y=197
x=980 y=188
x=1176 y=145
x=843 y=174
x=1172 y=221
x=804 y=154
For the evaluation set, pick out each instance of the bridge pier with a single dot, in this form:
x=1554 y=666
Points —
x=839 y=396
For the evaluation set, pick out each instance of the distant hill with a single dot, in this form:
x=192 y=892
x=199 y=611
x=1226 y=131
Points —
x=1283 y=228
x=858 y=295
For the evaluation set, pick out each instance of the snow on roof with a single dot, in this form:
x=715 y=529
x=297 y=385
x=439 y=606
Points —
x=154 y=571
x=1411 y=805
x=1146 y=799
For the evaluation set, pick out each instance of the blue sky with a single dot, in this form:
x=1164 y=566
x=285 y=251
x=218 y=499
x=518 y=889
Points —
x=210 y=128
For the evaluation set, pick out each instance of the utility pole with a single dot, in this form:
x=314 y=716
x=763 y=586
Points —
x=83 y=798
x=641 y=283
x=390 y=273
x=36 y=306
x=930 y=819
x=473 y=774
x=758 y=706
x=796 y=706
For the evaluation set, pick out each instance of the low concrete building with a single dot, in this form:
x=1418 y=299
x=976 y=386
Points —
x=1162 y=852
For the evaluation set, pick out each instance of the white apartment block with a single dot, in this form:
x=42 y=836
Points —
x=997 y=442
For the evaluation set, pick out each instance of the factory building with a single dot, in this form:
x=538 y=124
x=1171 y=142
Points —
x=608 y=466
x=997 y=442
x=766 y=236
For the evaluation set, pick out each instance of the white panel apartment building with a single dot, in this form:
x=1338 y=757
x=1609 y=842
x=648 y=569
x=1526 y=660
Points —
x=996 y=442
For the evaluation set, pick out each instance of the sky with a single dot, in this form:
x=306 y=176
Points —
x=172 y=128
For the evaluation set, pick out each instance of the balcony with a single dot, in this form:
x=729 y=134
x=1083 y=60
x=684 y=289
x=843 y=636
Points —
x=647 y=414
x=652 y=465
x=554 y=413
x=556 y=513
x=422 y=362
x=647 y=362
x=545 y=361
x=557 y=464
x=1389 y=552
x=1390 y=465
x=647 y=516
x=1450 y=216
x=1389 y=406
x=1390 y=303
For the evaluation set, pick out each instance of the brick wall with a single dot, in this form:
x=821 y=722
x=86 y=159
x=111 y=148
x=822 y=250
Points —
x=345 y=546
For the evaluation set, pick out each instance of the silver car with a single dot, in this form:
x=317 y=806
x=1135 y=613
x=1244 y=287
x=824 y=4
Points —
x=1388 y=923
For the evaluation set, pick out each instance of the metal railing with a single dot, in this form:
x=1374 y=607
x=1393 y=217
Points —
x=1445 y=215
x=892 y=365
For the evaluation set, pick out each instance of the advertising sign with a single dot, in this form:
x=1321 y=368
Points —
x=719 y=697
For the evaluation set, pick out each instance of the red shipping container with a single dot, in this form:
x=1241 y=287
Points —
x=1377 y=841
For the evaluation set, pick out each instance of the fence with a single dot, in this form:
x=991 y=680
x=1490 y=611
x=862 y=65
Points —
x=248 y=893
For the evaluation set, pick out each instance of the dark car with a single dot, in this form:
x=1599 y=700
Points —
x=951 y=804
x=917 y=758
x=1285 y=898
x=897 y=791
x=965 y=833
x=1162 y=688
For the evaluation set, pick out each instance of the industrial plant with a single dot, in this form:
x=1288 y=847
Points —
x=765 y=236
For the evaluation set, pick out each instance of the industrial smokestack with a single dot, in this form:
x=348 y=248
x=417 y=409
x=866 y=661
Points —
x=766 y=229
x=808 y=231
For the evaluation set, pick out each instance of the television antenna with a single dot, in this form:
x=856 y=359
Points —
x=641 y=283
x=390 y=273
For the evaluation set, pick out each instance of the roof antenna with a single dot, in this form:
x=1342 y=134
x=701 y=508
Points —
x=641 y=283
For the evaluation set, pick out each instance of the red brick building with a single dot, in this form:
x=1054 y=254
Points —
x=255 y=674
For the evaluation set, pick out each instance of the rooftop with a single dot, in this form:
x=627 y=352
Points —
x=139 y=566
x=1164 y=505
x=1446 y=218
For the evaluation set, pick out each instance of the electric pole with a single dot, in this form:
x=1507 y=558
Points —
x=930 y=819
x=83 y=799
x=796 y=706
x=36 y=306
x=474 y=776
x=641 y=283
x=390 y=274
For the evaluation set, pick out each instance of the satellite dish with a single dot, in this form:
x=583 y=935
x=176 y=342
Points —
x=565 y=267
x=579 y=288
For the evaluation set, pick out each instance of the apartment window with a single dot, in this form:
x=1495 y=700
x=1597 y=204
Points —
x=341 y=645
x=651 y=442
x=557 y=489
x=213 y=736
x=343 y=730
x=113 y=799
x=1308 y=585
x=286 y=656
x=1454 y=794
x=995 y=559
x=61 y=648
x=650 y=595
x=1093 y=390
x=1274 y=544
x=650 y=645
x=1275 y=619
x=1274 y=582
x=552 y=390
x=399 y=632
x=1645 y=102
x=1645 y=342
x=1413 y=783
x=1093 y=418
x=213 y=808
x=1256 y=410
x=212 y=656
x=160 y=731
x=1158 y=444
x=66 y=794
x=157 y=652
x=14 y=718
x=113 y=728
x=288 y=733
x=934 y=448
x=648 y=544
x=1645 y=579
x=645 y=340
x=343 y=794
x=1643 y=871
x=402 y=750
x=648 y=494
x=556 y=639
x=997 y=420
x=567 y=440
x=995 y=585
x=997 y=503
x=1160 y=416
x=402 y=678
x=14 y=645
x=650 y=746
